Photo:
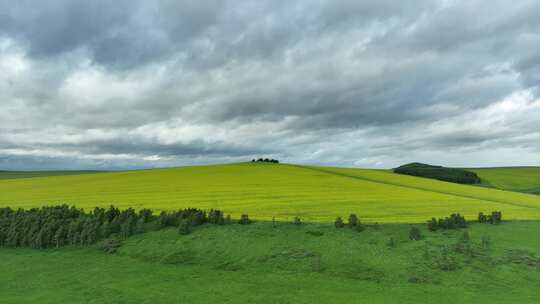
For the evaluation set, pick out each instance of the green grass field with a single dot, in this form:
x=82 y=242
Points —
x=261 y=264
x=267 y=190
x=522 y=179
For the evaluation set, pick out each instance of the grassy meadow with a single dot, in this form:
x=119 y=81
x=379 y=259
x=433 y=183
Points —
x=316 y=194
x=279 y=262
x=521 y=179
x=259 y=263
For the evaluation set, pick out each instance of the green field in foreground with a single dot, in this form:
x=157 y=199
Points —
x=522 y=179
x=267 y=190
x=313 y=263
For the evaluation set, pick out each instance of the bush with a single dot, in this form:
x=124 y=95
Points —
x=110 y=245
x=433 y=225
x=414 y=233
x=494 y=218
x=339 y=222
x=216 y=217
x=184 y=228
x=353 y=221
x=297 y=220
x=244 y=220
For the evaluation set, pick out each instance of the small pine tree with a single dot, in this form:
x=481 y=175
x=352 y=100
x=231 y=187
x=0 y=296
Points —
x=244 y=220
x=481 y=217
x=353 y=221
x=433 y=225
x=339 y=222
x=414 y=233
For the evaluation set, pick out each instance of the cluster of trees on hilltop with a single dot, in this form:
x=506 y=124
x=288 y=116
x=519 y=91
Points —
x=438 y=172
x=265 y=160
x=63 y=225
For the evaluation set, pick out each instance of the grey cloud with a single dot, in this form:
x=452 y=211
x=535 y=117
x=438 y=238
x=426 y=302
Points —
x=343 y=80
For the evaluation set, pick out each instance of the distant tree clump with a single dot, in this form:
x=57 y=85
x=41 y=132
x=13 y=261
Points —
x=494 y=218
x=339 y=223
x=353 y=221
x=453 y=175
x=455 y=221
x=265 y=160
x=244 y=219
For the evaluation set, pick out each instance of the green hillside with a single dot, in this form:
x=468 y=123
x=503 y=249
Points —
x=287 y=264
x=270 y=190
x=521 y=179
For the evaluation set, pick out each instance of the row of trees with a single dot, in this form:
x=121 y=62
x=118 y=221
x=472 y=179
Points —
x=63 y=225
x=455 y=221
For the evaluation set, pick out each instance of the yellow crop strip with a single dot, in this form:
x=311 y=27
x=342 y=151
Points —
x=268 y=190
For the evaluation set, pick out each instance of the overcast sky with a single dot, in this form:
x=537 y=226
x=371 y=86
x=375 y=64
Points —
x=133 y=84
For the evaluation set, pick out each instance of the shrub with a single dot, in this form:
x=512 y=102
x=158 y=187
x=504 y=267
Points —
x=433 y=225
x=353 y=221
x=110 y=245
x=244 y=220
x=482 y=218
x=184 y=227
x=339 y=222
x=216 y=217
x=414 y=233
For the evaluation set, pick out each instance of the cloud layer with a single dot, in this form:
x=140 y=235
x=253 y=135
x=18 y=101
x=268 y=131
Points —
x=133 y=84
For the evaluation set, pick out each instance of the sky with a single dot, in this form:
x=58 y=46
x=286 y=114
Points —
x=126 y=84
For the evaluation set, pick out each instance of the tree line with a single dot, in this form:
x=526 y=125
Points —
x=56 y=226
x=452 y=175
x=63 y=225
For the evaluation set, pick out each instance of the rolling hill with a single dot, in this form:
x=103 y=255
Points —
x=521 y=179
x=268 y=190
